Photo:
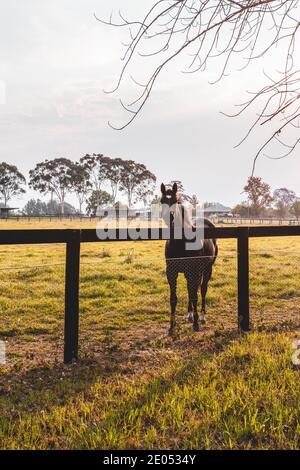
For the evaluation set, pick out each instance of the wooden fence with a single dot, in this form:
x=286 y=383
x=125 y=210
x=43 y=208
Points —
x=218 y=219
x=236 y=220
x=74 y=238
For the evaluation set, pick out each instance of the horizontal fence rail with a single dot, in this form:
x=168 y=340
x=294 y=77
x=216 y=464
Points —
x=40 y=236
x=74 y=237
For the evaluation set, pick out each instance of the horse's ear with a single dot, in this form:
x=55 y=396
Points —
x=174 y=189
x=163 y=188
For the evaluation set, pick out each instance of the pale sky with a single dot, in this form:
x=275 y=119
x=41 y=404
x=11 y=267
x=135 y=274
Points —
x=55 y=61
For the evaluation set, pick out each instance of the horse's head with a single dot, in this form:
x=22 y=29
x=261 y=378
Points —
x=169 y=201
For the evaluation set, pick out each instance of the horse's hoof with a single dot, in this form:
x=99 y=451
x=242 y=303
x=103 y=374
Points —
x=171 y=332
x=196 y=327
x=190 y=318
x=203 y=320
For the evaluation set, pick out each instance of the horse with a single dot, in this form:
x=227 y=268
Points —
x=196 y=265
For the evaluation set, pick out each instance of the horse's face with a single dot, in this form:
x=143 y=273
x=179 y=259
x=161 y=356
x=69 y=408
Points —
x=169 y=199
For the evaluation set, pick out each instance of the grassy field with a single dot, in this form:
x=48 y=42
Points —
x=133 y=386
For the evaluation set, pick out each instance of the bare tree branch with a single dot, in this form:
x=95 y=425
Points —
x=207 y=29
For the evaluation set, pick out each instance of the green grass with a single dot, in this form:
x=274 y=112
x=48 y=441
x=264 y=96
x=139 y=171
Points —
x=133 y=386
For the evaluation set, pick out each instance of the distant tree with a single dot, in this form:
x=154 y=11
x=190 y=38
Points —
x=194 y=202
x=35 y=208
x=38 y=208
x=80 y=183
x=136 y=181
x=209 y=204
x=283 y=199
x=115 y=168
x=53 y=176
x=259 y=195
x=98 y=167
x=295 y=208
x=11 y=181
x=53 y=207
x=242 y=210
x=146 y=192
x=156 y=199
x=97 y=200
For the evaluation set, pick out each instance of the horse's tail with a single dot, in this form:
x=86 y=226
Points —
x=215 y=242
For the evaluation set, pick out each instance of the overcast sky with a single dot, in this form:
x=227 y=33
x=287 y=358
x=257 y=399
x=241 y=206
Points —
x=55 y=61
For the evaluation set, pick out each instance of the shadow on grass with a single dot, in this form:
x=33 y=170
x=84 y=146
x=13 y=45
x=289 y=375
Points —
x=41 y=387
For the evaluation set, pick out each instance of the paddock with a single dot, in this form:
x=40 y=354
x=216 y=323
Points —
x=74 y=238
x=132 y=386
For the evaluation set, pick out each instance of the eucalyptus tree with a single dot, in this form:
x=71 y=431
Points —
x=114 y=176
x=97 y=200
x=259 y=195
x=97 y=166
x=284 y=199
x=53 y=177
x=295 y=209
x=80 y=183
x=137 y=182
x=11 y=182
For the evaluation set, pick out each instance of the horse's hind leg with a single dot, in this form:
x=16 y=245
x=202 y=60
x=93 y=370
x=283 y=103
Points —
x=190 y=311
x=189 y=283
x=206 y=277
x=172 y=280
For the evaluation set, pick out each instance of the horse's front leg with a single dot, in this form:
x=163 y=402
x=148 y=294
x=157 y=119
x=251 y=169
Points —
x=195 y=310
x=193 y=298
x=172 y=280
x=190 y=314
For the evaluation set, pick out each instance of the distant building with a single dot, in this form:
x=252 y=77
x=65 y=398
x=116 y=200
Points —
x=5 y=211
x=217 y=209
x=122 y=211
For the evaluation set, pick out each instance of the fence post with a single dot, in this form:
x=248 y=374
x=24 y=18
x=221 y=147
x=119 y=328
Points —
x=243 y=279
x=72 y=296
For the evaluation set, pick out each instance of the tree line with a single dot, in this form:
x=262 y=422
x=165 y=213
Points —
x=261 y=202
x=95 y=179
